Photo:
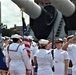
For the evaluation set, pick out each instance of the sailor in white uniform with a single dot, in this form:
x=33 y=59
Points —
x=44 y=59
x=71 y=48
x=60 y=59
x=18 y=57
x=5 y=45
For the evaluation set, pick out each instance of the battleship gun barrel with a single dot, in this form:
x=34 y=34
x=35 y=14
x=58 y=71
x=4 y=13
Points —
x=32 y=9
x=66 y=7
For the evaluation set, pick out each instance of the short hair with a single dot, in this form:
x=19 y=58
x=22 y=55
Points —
x=15 y=40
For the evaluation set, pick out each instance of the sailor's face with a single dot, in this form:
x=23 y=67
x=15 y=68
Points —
x=58 y=45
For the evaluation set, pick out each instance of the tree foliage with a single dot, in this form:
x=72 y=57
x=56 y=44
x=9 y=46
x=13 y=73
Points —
x=8 y=32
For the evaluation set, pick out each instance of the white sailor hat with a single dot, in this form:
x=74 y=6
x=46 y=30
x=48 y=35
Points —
x=43 y=41
x=7 y=38
x=16 y=36
x=69 y=37
x=3 y=38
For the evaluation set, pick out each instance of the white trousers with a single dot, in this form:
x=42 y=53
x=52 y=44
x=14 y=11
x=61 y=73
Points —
x=17 y=72
x=59 y=68
x=17 y=68
x=44 y=71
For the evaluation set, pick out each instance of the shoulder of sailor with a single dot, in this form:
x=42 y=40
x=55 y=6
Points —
x=48 y=51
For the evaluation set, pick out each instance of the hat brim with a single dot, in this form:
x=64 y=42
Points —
x=58 y=41
x=16 y=36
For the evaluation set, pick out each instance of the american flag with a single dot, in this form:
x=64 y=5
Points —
x=25 y=36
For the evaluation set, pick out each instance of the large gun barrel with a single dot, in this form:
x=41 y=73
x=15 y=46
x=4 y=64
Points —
x=32 y=9
x=66 y=7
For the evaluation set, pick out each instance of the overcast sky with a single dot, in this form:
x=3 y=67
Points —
x=10 y=14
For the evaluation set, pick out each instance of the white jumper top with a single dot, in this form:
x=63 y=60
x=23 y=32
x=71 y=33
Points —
x=45 y=62
x=59 y=57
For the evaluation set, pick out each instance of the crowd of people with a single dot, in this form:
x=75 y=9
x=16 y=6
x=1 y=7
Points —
x=47 y=57
x=43 y=58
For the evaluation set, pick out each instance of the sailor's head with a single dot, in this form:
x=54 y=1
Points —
x=16 y=38
x=43 y=43
x=59 y=40
x=59 y=43
x=69 y=37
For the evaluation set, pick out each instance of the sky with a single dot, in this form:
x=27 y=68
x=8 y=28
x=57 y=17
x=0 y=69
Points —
x=11 y=14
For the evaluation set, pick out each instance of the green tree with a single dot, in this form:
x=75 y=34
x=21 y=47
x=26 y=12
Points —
x=8 y=32
x=3 y=26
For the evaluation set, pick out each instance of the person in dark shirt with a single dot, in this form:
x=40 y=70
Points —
x=3 y=65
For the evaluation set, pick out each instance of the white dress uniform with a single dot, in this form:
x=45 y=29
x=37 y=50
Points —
x=6 y=55
x=45 y=62
x=33 y=51
x=59 y=57
x=19 y=59
x=72 y=54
